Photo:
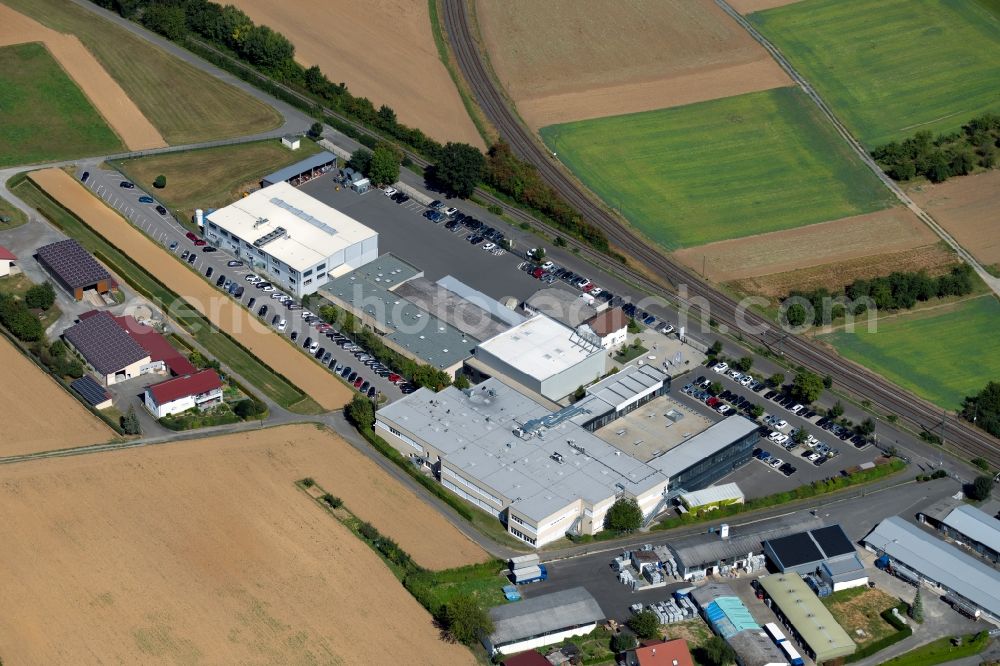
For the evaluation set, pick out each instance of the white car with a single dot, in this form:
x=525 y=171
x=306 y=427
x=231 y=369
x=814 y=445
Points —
x=314 y=346
x=781 y=425
x=306 y=313
x=796 y=409
x=596 y=291
x=720 y=367
x=813 y=457
x=276 y=295
x=547 y=266
x=267 y=289
x=667 y=330
x=774 y=436
x=389 y=191
x=746 y=381
x=735 y=374
x=449 y=211
x=282 y=324
x=723 y=409
x=776 y=463
x=489 y=246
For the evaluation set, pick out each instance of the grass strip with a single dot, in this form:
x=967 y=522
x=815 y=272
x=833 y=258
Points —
x=213 y=340
x=942 y=650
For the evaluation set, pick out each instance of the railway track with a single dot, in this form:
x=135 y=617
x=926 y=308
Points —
x=853 y=378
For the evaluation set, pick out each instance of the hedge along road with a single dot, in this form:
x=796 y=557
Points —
x=310 y=377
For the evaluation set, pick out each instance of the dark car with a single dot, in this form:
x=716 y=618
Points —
x=185 y=254
x=146 y=199
x=434 y=205
x=85 y=176
x=221 y=281
x=209 y=248
x=787 y=469
x=294 y=336
x=351 y=377
x=239 y=291
x=346 y=371
x=127 y=185
x=308 y=342
x=319 y=352
x=209 y=272
x=234 y=262
x=192 y=257
x=327 y=357
x=263 y=311
x=371 y=391
x=275 y=319
x=251 y=303
x=403 y=198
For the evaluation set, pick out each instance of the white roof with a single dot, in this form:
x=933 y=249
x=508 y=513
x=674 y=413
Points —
x=313 y=230
x=975 y=525
x=540 y=347
x=727 y=491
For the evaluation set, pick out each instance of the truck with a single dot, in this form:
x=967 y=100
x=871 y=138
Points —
x=962 y=607
x=532 y=574
x=523 y=561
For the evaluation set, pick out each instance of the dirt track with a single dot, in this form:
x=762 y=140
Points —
x=307 y=375
x=61 y=423
x=104 y=93
x=382 y=50
x=968 y=208
x=203 y=552
x=881 y=232
x=750 y=6
x=638 y=56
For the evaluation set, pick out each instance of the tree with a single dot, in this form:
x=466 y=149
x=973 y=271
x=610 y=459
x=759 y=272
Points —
x=744 y=364
x=579 y=394
x=866 y=427
x=980 y=488
x=384 y=167
x=559 y=241
x=757 y=411
x=461 y=381
x=40 y=296
x=800 y=436
x=633 y=326
x=168 y=20
x=795 y=315
x=248 y=408
x=467 y=620
x=360 y=411
x=645 y=624
x=315 y=131
x=361 y=160
x=130 y=422
x=459 y=168
x=807 y=387
x=160 y=182
x=828 y=382
x=715 y=388
x=623 y=516
x=623 y=641
x=917 y=607
x=715 y=652
x=981 y=463
x=836 y=411
x=715 y=349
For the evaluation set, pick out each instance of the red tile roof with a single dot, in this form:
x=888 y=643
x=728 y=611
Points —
x=530 y=658
x=6 y=254
x=157 y=346
x=187 y=385
x=664 y=653
x=609 y=321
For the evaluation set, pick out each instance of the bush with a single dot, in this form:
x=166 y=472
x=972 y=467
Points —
x=40 y=296
x=980 y=488
x=308 y=482
x=645 y=624
x=623 y=516
x=332 y=501
x=623 y=641
x=249 y=408
x=160 y=182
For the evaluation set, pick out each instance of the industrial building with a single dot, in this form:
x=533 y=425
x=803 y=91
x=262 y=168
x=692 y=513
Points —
x=918 y=556
x=622 y=393
x=542 y=620
x=728 y=617
x=807 y=620
x=73 y=268
x=966 y=525
x=298 y=241
x=201 y=390
x=302 y=171
x=372 y=294
x=754 y=647
x=825 y=552
x=732 y=548
x=546 y=357
x=710 y=455
x=570 y=308
x=108 y=349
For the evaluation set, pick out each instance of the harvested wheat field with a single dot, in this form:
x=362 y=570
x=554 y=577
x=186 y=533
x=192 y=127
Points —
x=383 y=50
x=64 y=423
x=201 y=552
x=103 y=92
x=969 y=209
x=265 y=344
x=565 y=60
x=881 y=232
x=749 y=6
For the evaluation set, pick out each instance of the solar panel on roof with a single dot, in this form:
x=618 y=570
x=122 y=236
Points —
x=72 y=264
x=90 y=390
x=795 y=549
x=833 y=541
x=104 y=344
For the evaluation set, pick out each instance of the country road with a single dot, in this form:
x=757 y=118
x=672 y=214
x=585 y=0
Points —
x=732 y=318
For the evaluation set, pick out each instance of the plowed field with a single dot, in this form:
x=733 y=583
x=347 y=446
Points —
x=969 y=209
x=316 y=381
x=203 y=552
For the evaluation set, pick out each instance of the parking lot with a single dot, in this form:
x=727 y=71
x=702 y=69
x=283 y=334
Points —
x=165 y=230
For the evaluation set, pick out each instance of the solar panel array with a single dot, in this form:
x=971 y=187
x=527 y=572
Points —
x=72 y=264
x=90 y=390
x=833 y=541
x=104 y=343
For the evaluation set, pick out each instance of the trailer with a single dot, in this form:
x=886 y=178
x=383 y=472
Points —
x=963 y=607
x=794 y=658
x=527 y=575
x=523 y=561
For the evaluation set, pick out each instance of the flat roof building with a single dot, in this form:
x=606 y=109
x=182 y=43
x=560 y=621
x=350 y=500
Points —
x=619 y=394
x=73 y=268
x=453 y=308
x=300 y=242
x=710 y=455
x=825 y=551
x=543 y=355
x=921 y=556
x=543 y=620
x=571 y=308
x=808 y=621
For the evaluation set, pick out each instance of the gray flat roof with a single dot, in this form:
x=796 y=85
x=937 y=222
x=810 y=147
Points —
x=849 y=568
x=563 y=305
x=939 y=561
x=976 y=525
x=698 y=549
x=308 y=164
x=449 y=306
x=621 y=387
x=432 y=340
x=475 y=433
x=703 y=445
x=476 y=297
x=546 y=614
x=755 y=648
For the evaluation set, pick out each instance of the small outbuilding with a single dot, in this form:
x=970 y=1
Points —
x=713 y=497
x=93 y=393
x=302 y=171
x=543 y=620
x=291 y=141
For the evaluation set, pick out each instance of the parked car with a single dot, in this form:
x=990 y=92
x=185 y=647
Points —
x=389 y=191
x=209 y=248
x=233 y=263
x=221 y=281
x=720 y=367
x=208 y=273
x=85 y=176
x=146 y=199
x=282 y=324
x=294 y=336
x=262 y=311
x=251 y=303
x=126 y=185
x=191 y=236
x=200 y=243
x=192 y=257
x=275 y=319
x=161 y=210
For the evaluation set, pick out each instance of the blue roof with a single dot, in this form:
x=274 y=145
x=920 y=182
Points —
x=729 y=616
x=292 y=170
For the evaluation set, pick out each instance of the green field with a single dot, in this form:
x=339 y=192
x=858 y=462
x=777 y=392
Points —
x=721 y=169
x=184 y=103
x=44 y=114
x=942 y=355
x=891 y=67
x=15 y=216
x=212 y=177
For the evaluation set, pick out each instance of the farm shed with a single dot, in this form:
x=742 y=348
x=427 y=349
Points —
x=302 y=171
x=73 y=268
x=95 y=394
x=543 y=620
x=108 y=349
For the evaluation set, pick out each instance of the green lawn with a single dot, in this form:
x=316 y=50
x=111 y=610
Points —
x=942 y=651
x=212 y=177
x=942 y=355
x=184 y=103
x=720 y=169
x=437 y=588
x=15 y=216
x=44 y=114
x=222 y=347
x=891 y=67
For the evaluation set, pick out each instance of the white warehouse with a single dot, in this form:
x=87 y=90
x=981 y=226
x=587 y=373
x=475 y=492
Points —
x=298 y=241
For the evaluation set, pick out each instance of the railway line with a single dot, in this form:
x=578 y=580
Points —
x=851 y=377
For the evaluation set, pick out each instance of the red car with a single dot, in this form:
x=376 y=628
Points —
x=200 y=242
x=191 y=236
x=358 y=382
x=394 y=378
x=712 y=402
x=538 y=273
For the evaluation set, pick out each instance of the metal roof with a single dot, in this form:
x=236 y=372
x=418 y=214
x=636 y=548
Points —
x=975 y=525
x=542 y=615
x=709 y=548
x=726 y=492
x=72 y=264
x=563 y=305
x=703 y=445
x=90 y=390
x=807 y=614
x=300 y=167
x=476 y=297
x=809 y=547
x=105 y=345
x=729 y=616
x=621 y=388
x=938 y=561
x=755 y=648
x=848 y=568
x=452 y=308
